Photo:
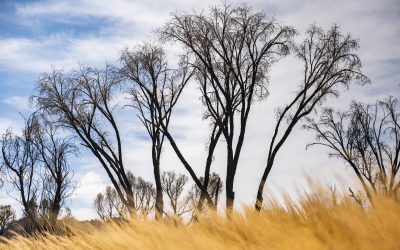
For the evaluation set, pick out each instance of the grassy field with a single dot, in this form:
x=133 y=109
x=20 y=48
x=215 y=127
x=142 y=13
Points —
x=316 y=222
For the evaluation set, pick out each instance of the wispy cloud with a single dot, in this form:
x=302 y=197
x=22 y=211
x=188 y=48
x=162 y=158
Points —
x=18 y=102
x=59 y=51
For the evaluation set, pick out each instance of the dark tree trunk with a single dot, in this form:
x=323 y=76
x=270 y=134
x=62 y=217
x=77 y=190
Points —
x=130 y=202
x=230 y=194
x=55 y=207
x=230 y=177
x=259 y=200
x=159 y=192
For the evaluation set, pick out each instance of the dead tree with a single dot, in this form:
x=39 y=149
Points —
x=154 y=91
x=330 y=62
x=108 y=205
x=56 y=174
x=20 y=158
x=99 y=206
x=37 y=168
x=144 y=195
x=7 y=217
x=231 y=50
x=367 y=138
x=81 y=102
x=154 y=94
x=174 y=186
x=214 y=188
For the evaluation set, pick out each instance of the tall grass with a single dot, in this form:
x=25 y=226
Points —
x=318 y=221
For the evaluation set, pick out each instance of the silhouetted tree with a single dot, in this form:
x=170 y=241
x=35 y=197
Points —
x=367 y=138
x=174 y=186
x=108 y=205
x=37 y=168
x=99 y=206
x=56 y=174
x=231 y=50
x=20 y=158
x=214 y=188
x=81 y=101
x=154 y=91
x=144 y=194
x=330 y=61
x=7 y=217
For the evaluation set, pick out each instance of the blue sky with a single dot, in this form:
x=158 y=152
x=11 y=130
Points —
x=39 y=34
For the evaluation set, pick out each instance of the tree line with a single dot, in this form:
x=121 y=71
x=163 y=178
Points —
x=227 y=53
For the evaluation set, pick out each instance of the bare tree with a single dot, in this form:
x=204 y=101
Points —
x=81 y=101
x=99 y=206
x=20 y=158
x=214 y=188
x=231 y=50
x=144 y=195
x=56 y=173
x=367 y=138
x=174 y=186
x=37 y=168
x=330 y=61
x=7 y=217
x=154 y=91
x=108 y=205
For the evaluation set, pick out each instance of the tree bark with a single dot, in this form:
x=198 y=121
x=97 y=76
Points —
x=159 y=193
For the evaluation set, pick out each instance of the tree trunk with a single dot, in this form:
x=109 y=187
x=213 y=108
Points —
x=159 y=193
x=230 y=177
x=56 y=204
x=259 y=199
x=230 y=194
x=130 y=202
x=217 y=194
x=213 y=144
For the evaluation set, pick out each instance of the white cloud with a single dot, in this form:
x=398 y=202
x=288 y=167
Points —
x=83 y=213
x=120 y=10
x=6 y=123
x=21 y=103
x=59 y=51
x=6 y=199
x=90 y=184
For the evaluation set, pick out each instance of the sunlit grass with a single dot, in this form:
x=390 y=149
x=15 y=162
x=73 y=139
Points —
x=318 y=221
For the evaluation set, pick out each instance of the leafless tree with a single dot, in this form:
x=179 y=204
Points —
x=37 y=168
x=7 y=217
x=20 y=158
x=330 y=61
x=99 y=206
x=154 y=91
x=108 y=205
x=81 y=101
x=56 y=174
x=231 y=50
x=214 y=188
x=174 y=186
x=367 y=138
x=144 y=195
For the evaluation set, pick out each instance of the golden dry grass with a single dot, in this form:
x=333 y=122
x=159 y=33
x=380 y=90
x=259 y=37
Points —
x=317 y=222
